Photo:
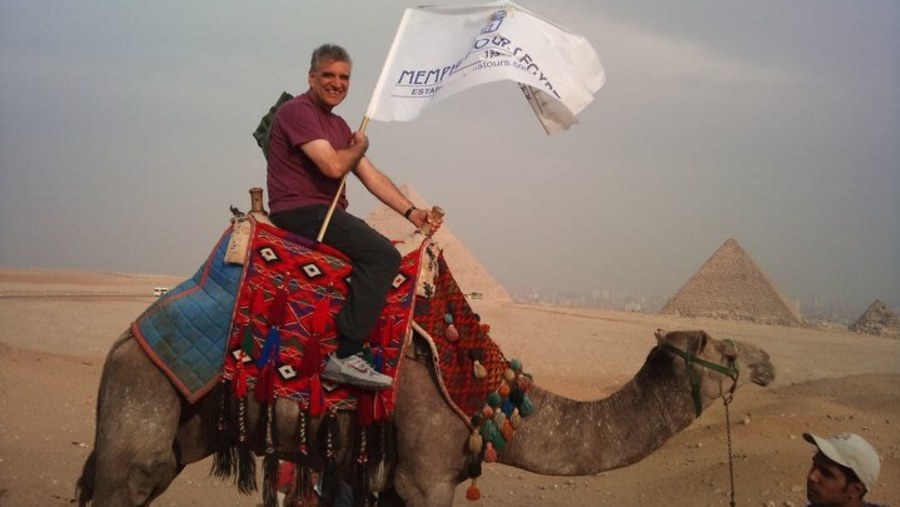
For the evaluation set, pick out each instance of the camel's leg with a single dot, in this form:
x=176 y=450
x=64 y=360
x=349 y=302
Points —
x=137 y=417
x=431 y=440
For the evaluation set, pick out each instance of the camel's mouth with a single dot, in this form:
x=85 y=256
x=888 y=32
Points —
x=763 y=374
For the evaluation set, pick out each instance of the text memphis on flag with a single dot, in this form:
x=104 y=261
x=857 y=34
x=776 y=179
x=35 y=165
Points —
x=439 y=51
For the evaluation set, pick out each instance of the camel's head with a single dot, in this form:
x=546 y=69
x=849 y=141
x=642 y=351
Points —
x=719 y=362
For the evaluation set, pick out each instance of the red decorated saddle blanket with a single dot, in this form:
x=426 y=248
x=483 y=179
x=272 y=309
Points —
x=267 y=326
x=470 y=365
x=283 y=326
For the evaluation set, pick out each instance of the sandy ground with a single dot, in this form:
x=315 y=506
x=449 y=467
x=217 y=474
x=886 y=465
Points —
x=55 y=328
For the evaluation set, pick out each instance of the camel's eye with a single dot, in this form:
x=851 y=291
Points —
x=727 y=349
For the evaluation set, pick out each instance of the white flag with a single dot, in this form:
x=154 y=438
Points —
x=439 y=51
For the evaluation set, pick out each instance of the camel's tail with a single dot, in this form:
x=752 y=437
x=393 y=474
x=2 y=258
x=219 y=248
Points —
x=84 y=488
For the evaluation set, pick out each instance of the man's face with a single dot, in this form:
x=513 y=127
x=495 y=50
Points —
x=826 y=484
x=329 y=83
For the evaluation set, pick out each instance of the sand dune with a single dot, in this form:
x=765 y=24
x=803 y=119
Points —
x=55 y=328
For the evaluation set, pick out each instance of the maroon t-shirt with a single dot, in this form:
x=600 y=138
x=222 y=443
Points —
x=292 y=178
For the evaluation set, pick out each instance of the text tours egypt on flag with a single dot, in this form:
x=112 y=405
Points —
x=439 y=51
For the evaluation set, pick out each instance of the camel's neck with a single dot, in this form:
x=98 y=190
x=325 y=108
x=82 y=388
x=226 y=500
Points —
x=568 y=437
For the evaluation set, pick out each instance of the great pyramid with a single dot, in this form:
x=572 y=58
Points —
x=729 y=285
x=878 y=319
x=472 y=276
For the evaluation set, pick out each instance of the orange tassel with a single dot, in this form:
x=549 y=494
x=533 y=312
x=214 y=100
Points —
x=473 y=493
x=503 y=390
x=490 y=454
x=452 y=333
x=507 y=430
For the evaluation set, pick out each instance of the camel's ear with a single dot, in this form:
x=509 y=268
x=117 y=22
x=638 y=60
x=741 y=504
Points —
x=661 y=335
x=727 y=348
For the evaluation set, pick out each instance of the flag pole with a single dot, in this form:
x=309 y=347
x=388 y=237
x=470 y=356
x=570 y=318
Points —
x=379 y=86
x=340 y=189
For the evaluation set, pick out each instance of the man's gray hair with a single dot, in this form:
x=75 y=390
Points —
x=328 y=52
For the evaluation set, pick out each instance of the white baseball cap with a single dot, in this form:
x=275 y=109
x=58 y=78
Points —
x=851 y=451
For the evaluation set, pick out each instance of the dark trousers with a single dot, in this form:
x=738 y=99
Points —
x=375 y=264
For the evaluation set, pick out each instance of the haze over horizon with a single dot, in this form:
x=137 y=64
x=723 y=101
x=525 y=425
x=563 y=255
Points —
x=126 y=134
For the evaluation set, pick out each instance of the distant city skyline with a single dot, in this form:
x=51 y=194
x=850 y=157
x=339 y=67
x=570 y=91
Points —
x=126 y=134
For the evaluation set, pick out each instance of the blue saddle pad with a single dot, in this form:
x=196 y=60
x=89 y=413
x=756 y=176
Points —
x=186 y=331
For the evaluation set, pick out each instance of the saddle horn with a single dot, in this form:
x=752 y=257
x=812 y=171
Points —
x=426 y=229
x=256 y=201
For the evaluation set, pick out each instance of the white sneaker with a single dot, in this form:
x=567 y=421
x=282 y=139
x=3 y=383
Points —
x=354 y=370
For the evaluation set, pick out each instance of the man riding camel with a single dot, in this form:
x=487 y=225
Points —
x=310 y=150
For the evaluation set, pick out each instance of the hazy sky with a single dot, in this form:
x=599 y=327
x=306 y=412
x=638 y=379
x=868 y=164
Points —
x=125 y=134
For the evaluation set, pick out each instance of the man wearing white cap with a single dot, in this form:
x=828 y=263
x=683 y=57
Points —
x=843 y=470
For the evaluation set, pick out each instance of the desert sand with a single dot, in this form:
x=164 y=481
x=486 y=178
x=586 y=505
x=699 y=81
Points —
x=55 y=328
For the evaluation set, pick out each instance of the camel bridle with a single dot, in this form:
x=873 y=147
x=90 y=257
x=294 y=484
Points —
x=691 y=359
x=730 y=371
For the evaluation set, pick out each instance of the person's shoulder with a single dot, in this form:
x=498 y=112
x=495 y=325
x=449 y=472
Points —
x=298 y=103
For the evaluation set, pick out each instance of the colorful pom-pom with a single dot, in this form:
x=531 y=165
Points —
x=485 y=328
x=473 y=493
x=515 y=419
x=503 y=390
x=448 y=318
x=490 y=454
x=499 y=418
x=479 y=370
x=509 y=375
x=487 y=412
x=507 y=430
x=515 y=364
x=525 y=383
x=492 y=434
x=526 y=408
x=476 y=442
x=488 y=429
x=451 y=333
x=494 y=400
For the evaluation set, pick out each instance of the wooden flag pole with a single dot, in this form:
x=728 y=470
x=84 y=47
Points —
x=340 y=189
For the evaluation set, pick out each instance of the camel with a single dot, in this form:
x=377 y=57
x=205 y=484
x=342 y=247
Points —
x=146 y=432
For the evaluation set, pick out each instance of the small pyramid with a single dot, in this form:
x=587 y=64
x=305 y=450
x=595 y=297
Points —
x=472 y=276
x=878 y=319
x=729 y=285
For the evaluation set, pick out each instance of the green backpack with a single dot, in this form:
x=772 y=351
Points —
x=264 y=130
